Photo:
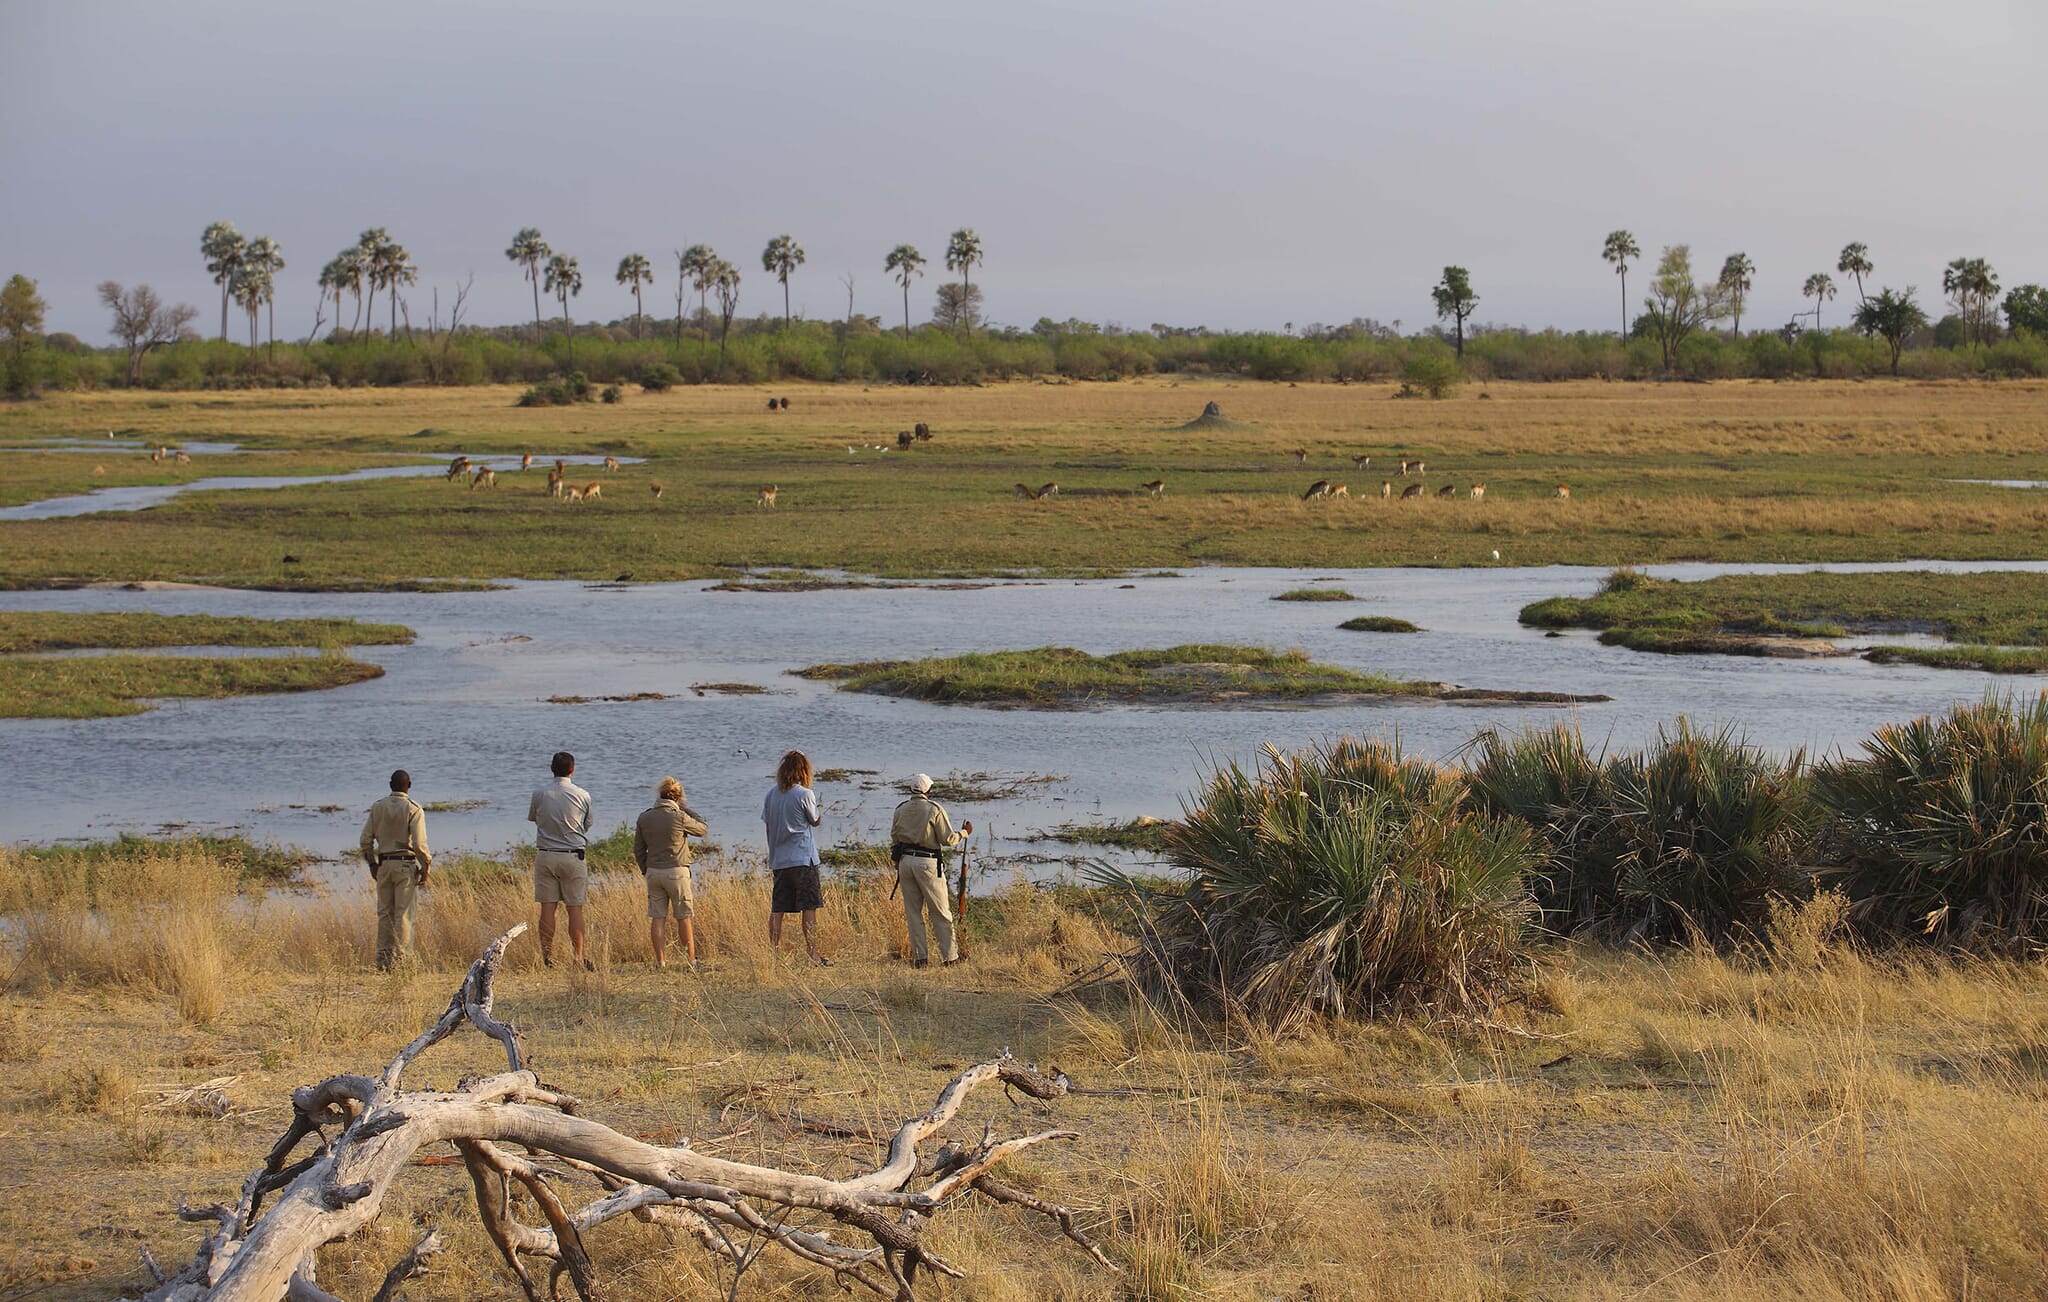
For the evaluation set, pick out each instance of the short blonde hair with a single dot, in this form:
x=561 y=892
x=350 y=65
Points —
x=669 y=789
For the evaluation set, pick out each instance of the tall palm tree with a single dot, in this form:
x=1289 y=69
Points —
x=904 y=262
x=635 y=270
x=334 y=279
x=1972 y=284
x=246 y=289
x=963 y=253
x=725 y=278
x=223 y=247
x=395 y=265
x=564 y=279
x=782 y=256
x=694 y=264
x=266 y=257
x=530 y=251
x=357 y=269
x=1738 y=273
x=1820 y=287
x=1855 y=261
x=1619 y=248
x=370 y=246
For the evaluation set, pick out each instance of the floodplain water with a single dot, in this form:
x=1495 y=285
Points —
x=467 y=707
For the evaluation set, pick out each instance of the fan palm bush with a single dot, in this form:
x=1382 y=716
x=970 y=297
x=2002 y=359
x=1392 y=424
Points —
x=1337 y=880
x=1547 y=779
x=1941 y=825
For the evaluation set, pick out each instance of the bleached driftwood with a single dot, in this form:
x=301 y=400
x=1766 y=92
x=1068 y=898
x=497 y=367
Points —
x=366 y=1131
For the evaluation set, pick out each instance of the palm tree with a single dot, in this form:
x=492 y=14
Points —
x=1972 y=284
x=1738 y=273
x=357 y=270
x=246 y=289
x=370 y=247
x=335 y=278
x=635 y=270
x=397 y=268
x=905 y=261
x=1619 y=248
x=1855 y=261
x=266 y=257
x=963 y=253
x=563 y=279
x=1820 y=287
x=223 y=247
x=694 y=264
x=782 y=256
x=530 y=251
x=725 y=278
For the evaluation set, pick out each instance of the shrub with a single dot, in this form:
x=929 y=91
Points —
x=1941 y=825
x=559 y=391
x=1434 y=373
x=659 y=377
x=1336 y=880
x=611 y=393
x=1548 y=780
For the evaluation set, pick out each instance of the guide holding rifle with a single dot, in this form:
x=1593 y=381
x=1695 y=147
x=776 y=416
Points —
x=394 y=845
x=918 y=839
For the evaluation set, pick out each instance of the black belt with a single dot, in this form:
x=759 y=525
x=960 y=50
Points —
x=386 y=858
x=903 y=851
x=577 y=853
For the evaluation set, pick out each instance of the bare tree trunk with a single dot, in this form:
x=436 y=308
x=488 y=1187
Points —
x=533 y=274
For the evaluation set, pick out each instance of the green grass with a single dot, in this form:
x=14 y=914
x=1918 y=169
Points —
x=1065 y=677
x=1314 y=594
x=98 y=868
x=1987 y=659
x=1136 y=834
x=49 y=630
x=1729 y=613
x=100 y=687
x=1379 y=624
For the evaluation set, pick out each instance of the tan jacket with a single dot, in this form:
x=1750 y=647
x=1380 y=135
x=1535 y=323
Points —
x=660 y=837
x=396 y=825
x=921 y=820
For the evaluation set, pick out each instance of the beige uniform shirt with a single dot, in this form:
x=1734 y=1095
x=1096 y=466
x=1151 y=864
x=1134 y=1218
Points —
x=921 y=820
x=661 y=837
x=396 y=825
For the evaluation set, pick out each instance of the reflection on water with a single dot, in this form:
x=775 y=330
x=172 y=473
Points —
x=466 y=707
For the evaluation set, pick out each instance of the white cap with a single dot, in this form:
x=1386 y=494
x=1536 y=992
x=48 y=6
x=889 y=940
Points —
x=920 y=783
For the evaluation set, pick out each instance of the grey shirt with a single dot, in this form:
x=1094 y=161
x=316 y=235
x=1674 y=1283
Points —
x=561 y=813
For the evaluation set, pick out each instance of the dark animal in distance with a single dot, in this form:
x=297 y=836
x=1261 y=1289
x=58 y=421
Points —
x=1049 y=490
x=1321 y=488
x=1157 y=488
x=458 y=468
x=1448 y=490
x=785 y=403
x=904 y=438
x=923 y=432
x=1413 y=490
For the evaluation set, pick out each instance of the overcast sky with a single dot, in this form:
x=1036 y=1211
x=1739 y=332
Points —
x=1238 y=165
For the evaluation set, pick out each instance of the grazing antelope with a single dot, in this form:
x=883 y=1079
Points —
x=590 y=493
x=1404 y=467
x=1024 y=491
x=1321 y=488
x=1300 y=456
x=1360 y=463
x=1448 y=490
x=555 y=484
x=184 y=458
x=156 y=454
x=485 y=478
x=1413 y=490
x=572 y=493
x=1157 y=488
x=1386 y=488
x=458 y=468
x=526 y=461
x=1564 y=492
x=561 y=466
x=923 y=432
x=611 y=463
x=1419 y=467
x=1340 y=490
x=765 y=497
x=656 y=490
x=1478 y=492
x=903 y=438
x=1049 y=490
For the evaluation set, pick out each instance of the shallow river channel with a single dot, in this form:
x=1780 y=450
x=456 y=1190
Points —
x=466 y=707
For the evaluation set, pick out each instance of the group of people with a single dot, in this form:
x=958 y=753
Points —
x=394 y=846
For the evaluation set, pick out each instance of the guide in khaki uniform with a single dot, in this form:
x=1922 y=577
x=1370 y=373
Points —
x=918 y=837
x=394 y=845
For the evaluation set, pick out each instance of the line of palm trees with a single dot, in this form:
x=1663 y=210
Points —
x=1970 y=283
x=375 y=261
x=246 y=271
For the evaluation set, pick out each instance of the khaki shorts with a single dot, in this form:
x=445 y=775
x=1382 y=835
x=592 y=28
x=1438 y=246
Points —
x=560 y=878
x=668 y=889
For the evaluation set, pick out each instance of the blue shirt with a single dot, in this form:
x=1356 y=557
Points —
x=789 y=817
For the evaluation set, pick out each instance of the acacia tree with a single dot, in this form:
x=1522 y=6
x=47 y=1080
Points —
x=635 y=270
x=21 y=314
x=725 y=278
x=1678 y=305
x=904 y=262
x=223 y=247
x=564 y=279
x=142 y=322
x=963 y=253
x=1855 y=262
x=1455 y=299
x=782 y=256
x=2026 y=308
x=1971 y=285
x=695 y=265
x=529 y=251
x=1619 y=248
x=1819 y=287
x=1738 y=274
x=1892 y=317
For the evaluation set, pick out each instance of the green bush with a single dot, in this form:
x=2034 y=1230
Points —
x=1338 y=880
x=659 y=377
x=1940 y=826
x=1548 y=780
x=611 y=394
x=1435 y=373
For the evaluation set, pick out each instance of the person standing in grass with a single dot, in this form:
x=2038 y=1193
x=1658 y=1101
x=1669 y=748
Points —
x=919 y=836
x=661 y=846
x=790 y=814
x=560 y=813
x=394 y=845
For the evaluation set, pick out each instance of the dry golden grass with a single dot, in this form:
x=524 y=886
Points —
x=1826 y=1125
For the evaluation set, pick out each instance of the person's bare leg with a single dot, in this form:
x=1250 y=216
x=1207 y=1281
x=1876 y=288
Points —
x=547 y=933
x=775 y=932
x=810 y=933
x=687 y=932
x=657 y=937
x=576 y=930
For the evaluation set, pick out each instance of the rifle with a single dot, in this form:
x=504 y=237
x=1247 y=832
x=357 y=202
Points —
x=960 y=914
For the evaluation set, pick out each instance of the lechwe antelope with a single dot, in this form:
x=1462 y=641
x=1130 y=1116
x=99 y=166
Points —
x=611 y=464
x=1049 y=490
x=571 y=493
x=1478 y=492
x=1419 y=468
x=1025 y=491
x=1340 y=490
x=1386 y=488
x=1156 y=488
x=1321 y=488
x=590 y=493
x=485 y=478
x=1301 y=456
x=1563 y=493
x=1413 y=490
x=526 y=461
x=1447 y=491
x=182 y=457
x=1404 y=468
x=1361 y=462
x=765 y=497
x=458 y=468
x=156 y=454
x=656 y=490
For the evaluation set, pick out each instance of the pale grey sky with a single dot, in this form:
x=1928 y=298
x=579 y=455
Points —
x=1237 y=165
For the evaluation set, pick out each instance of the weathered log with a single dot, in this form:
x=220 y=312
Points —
x=252 y=1255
